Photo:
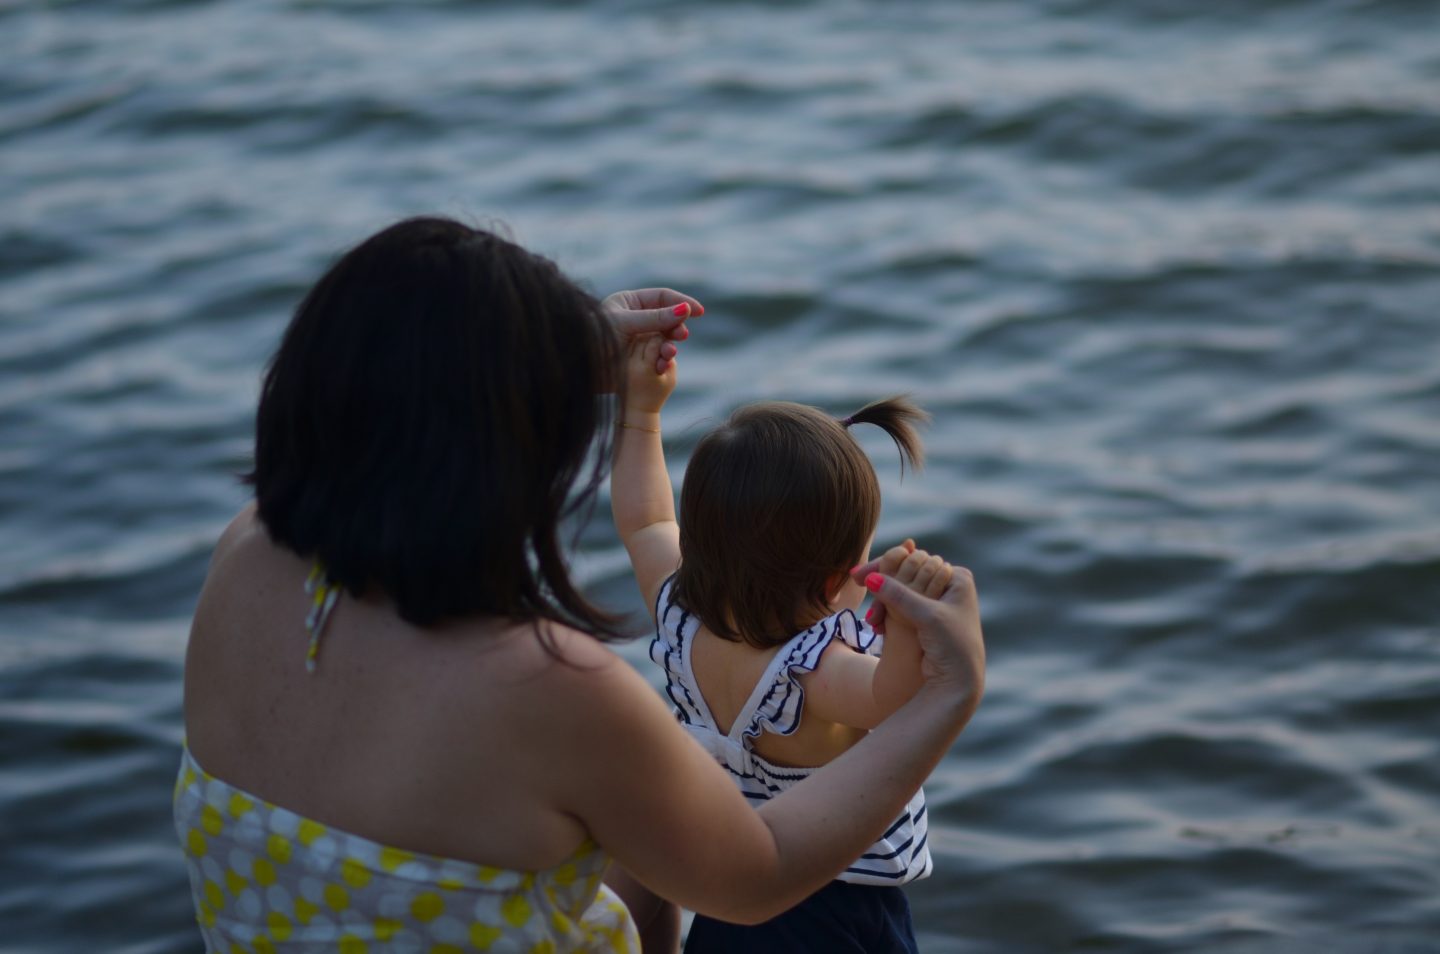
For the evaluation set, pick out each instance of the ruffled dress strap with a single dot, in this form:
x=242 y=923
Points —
x=675 y=630
x=778 y=699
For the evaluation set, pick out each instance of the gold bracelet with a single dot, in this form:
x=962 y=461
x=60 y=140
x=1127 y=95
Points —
x=637 y=427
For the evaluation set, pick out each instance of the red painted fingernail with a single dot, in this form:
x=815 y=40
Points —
x=681 y=309
x=869 y=614
x=682 y=333
x=873 y=582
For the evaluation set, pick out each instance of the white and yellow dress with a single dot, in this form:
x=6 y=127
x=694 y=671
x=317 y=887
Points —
x=265 y=879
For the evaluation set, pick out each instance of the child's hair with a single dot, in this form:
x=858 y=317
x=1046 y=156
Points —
x=776 y=502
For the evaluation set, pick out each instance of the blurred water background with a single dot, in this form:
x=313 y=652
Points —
x=1166 y=274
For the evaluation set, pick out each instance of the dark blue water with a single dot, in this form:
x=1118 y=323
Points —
x=1167 y=275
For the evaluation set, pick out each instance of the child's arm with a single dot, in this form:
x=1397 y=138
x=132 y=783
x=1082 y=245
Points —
x=858 y=690
x=641 y=498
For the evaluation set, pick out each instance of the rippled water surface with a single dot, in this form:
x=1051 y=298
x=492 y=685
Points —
x=1167 y=274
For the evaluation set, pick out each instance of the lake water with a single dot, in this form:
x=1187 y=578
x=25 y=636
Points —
x=1167 y=275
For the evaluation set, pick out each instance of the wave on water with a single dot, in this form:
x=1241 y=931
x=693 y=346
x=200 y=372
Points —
x=1164 y=273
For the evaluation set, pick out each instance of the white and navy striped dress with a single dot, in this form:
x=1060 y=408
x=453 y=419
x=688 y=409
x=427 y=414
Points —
x=901 y=854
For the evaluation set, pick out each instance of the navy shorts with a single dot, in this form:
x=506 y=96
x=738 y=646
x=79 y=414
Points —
x=840 y=918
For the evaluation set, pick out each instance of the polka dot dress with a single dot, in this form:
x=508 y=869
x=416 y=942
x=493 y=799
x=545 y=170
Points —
x=265 y=879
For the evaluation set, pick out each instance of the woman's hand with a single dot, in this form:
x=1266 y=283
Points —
x=649 y=376
x=648 y=311
x=947 y=627
x=926 y=573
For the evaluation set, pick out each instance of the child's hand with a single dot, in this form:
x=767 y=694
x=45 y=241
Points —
x=646 y=388
x=926 y=573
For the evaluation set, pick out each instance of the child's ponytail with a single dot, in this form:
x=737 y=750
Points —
x=898 y=417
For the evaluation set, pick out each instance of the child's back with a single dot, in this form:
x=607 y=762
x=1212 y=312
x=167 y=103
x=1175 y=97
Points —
x=752 y=709
x=727 y=672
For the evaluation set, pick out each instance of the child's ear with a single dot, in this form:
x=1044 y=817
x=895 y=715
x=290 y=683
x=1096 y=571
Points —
x=834 y=584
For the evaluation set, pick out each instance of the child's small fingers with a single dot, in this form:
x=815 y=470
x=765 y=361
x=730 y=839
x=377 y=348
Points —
x=641 y=351
x=665 y=357
x=891 y=561
x=940 y=581
x=888 y=562
x=925 y=573
x=910 y=568
x=925 y=578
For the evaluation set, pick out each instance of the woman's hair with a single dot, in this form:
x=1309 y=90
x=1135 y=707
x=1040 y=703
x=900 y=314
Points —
x=428 y=413
x=777 y=501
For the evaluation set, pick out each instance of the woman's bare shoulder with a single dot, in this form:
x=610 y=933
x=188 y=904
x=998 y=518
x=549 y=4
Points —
x=564 y=660
x=583 y=683
x=246 y=563
x=243 y=531
x=251 y=607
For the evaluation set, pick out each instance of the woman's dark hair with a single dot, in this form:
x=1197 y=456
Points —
x=426 y=418
x=777 y=501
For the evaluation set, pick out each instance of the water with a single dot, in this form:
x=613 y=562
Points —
x=1166 y=274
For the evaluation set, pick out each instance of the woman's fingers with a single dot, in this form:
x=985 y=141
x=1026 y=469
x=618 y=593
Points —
x=899 y=599
x=647 y=298
x=888 y=563
x=948 y=629
x=665 y=321
x=644 y=311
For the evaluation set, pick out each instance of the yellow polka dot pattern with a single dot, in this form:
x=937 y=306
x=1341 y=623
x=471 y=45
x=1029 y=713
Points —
x=266 y=880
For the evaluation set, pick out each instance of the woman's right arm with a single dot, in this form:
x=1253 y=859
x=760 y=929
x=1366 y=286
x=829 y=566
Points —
x=661 y=807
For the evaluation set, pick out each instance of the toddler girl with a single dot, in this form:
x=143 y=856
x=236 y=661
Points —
x=765 y=661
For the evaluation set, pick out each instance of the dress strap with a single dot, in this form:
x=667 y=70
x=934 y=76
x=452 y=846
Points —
x=324 y=594
x=778 y=699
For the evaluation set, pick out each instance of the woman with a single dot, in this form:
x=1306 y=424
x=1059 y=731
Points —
x=402 y=731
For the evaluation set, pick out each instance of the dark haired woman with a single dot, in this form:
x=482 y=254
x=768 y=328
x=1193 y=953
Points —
x=402 y=731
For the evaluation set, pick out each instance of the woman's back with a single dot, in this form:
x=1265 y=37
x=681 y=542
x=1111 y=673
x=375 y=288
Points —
x=348 y=745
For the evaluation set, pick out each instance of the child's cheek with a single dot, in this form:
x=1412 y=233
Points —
x=850 y=597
